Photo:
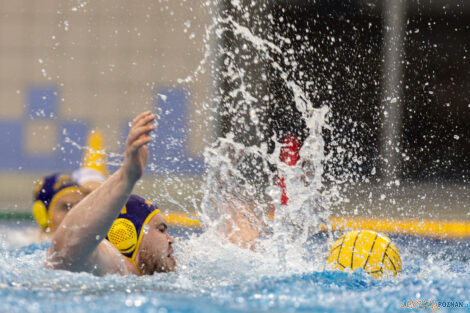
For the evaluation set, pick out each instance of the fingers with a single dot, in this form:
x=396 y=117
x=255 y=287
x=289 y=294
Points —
x=140 y=117
x=144 y=119
x=140 y=142
x=140 y=126
x=135 y=133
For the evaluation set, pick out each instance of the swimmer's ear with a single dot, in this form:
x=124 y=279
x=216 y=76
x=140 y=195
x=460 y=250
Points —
x=40 y=214
x=123 y=235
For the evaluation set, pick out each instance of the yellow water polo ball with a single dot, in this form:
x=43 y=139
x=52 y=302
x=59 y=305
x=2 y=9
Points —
x=366 y=249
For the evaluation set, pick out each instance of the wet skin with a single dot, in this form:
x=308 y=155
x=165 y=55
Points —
x=63 y=206
x=156 y=252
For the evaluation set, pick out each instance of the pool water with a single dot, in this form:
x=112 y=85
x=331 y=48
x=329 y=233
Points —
x=218 y=277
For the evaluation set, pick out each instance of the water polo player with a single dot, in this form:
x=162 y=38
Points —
x=54 y=196
x=79 y=243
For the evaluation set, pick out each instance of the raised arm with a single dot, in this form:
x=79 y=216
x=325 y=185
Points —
x=74 y=244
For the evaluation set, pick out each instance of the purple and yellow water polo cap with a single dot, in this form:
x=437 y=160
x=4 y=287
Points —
x=47 y=192
x=128 y=229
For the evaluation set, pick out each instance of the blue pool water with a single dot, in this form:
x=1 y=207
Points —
x=219 y=278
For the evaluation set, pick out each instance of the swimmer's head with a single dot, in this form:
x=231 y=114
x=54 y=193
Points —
x=54 y=196
x=139 y=233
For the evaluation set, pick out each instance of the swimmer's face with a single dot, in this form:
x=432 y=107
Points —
x=63 y=206
x=156 y=252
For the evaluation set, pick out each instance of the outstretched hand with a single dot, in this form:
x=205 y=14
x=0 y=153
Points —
x=136 y=153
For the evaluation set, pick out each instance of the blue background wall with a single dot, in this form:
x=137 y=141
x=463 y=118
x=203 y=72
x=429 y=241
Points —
x=168 y=152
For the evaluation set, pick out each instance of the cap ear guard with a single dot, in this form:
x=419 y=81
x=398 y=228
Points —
x=40 y=214
x=123 y=235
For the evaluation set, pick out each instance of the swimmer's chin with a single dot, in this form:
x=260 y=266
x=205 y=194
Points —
x=172 y=261
x=169 y=266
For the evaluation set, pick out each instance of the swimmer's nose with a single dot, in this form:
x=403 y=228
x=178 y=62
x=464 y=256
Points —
x=170 y=239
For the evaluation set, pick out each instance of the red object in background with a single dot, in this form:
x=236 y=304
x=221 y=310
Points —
x=290 y=150
x=281 y=183
x=290 y=155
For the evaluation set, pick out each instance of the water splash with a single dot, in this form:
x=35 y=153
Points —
x=242 y=164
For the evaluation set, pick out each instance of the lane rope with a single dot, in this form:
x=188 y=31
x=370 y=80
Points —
x=420 y=227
